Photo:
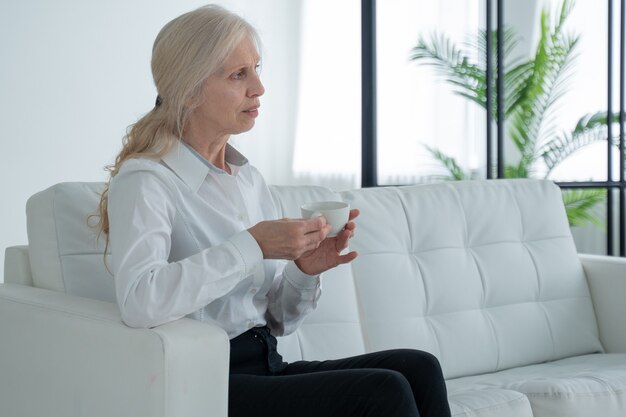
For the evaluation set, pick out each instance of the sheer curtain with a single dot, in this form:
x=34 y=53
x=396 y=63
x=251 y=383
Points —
x=587 y=87
x=319 y=99
x=328 y=122
x=415 y=107
x=270 y=144
x=309 y=131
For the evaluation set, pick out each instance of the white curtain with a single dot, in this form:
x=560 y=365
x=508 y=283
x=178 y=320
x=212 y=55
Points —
x=415 y=108
x=310 y=126
x=270 y=144
x=328 y=124
x=310 y=129
x=587 y=87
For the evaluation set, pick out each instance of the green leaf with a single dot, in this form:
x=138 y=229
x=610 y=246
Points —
x=516 y=171
x=455 y=172
x=590 y=129
x=579 y=204
x=530 y=122
x=452 y=63
x=533 y=89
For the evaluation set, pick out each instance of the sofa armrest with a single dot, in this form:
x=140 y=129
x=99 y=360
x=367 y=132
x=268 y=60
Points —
x=69 y=356
x=17 y=265
x=606 y=276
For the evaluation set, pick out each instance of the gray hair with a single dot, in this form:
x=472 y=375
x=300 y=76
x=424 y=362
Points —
x=189 y=49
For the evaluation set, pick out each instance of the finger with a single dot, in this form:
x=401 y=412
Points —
x=348 y=257
x=342 y=240
x=317 y=236
x=315 y=224
x=354 y=213
x=350 y=226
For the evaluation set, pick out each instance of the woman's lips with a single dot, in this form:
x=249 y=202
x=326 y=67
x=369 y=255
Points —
x=252 y=112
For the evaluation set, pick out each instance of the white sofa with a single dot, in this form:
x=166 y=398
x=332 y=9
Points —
x=483 y=274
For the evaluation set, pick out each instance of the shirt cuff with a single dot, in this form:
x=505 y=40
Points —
x=249 y=249
x=299 y=279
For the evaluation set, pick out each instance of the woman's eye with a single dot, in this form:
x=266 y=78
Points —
x=238 y=75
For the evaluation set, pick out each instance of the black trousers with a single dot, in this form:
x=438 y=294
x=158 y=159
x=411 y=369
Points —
x=392 y=383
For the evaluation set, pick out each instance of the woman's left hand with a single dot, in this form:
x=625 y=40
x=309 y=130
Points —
x=328 y=254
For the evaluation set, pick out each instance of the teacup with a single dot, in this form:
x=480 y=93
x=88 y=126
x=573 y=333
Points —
x=336 y=213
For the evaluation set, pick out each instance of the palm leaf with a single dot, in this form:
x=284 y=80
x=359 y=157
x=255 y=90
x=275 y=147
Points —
x=515 y=78
x=533 y=88
x=543 y=89
x=479 y=43
x=593 y=120
x=566 y=10
x=579 y=206
x=515 y=171
x=515 y=81
x=455 y=172
x=454 y=64
x=470 y=79
x=590 y=129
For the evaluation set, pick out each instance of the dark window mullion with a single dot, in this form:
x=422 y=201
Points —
x=489 y=89
x=609 y=110
x=369 y=175
x=622 y=203
x=500 y=87
x=369 y=162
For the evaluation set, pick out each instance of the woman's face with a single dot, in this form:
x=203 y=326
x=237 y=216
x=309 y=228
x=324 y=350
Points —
x=230 y=97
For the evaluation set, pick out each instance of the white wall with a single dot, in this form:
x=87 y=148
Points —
x=74 y=74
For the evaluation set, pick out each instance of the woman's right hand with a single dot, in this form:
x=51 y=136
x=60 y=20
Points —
x=289 y=238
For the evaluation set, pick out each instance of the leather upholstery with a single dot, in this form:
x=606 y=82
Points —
x=467 y=271
x=66 y=253
x=472 y=273
x=483 y=274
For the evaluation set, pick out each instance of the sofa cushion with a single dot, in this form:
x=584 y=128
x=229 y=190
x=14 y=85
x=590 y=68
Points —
x=333 y=330
x=483 y=274
x=492 y=402
x=65 y=253
x=587 y=385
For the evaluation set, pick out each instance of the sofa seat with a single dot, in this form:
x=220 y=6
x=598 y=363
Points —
x=581 y=386
x=482 y=274
x=489 y=403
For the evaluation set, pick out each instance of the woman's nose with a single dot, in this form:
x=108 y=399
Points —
x=256 y=88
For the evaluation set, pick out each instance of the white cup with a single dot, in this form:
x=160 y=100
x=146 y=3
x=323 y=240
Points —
x=336 y=214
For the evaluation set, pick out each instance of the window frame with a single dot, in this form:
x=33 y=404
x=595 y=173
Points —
x=495 y=163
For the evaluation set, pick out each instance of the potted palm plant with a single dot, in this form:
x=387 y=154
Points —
x=532 y=90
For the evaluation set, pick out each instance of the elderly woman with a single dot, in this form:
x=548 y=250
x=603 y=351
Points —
x=194 y=232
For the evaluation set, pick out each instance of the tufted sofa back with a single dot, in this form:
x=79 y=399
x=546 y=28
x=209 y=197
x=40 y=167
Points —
x=483 y=274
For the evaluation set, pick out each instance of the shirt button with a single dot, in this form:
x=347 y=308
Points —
x=253 y=290
x=241 y=217
x=250 y=324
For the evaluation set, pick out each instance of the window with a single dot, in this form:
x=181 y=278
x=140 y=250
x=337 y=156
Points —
x=424 y=129
x=328 y=127
x=417 y=110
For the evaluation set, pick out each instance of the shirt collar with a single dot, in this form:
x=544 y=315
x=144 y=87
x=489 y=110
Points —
x=193 y=168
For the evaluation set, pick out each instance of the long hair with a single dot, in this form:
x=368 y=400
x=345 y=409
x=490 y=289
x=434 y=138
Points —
x=186 y=52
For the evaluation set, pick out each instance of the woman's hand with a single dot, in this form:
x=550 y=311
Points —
x=289 y=238
x=327 y=255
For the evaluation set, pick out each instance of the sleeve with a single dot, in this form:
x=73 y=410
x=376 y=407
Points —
x=294 y=295
x=150 y=290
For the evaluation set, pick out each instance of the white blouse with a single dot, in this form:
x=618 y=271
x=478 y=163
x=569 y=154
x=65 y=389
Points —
x=180 y=246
